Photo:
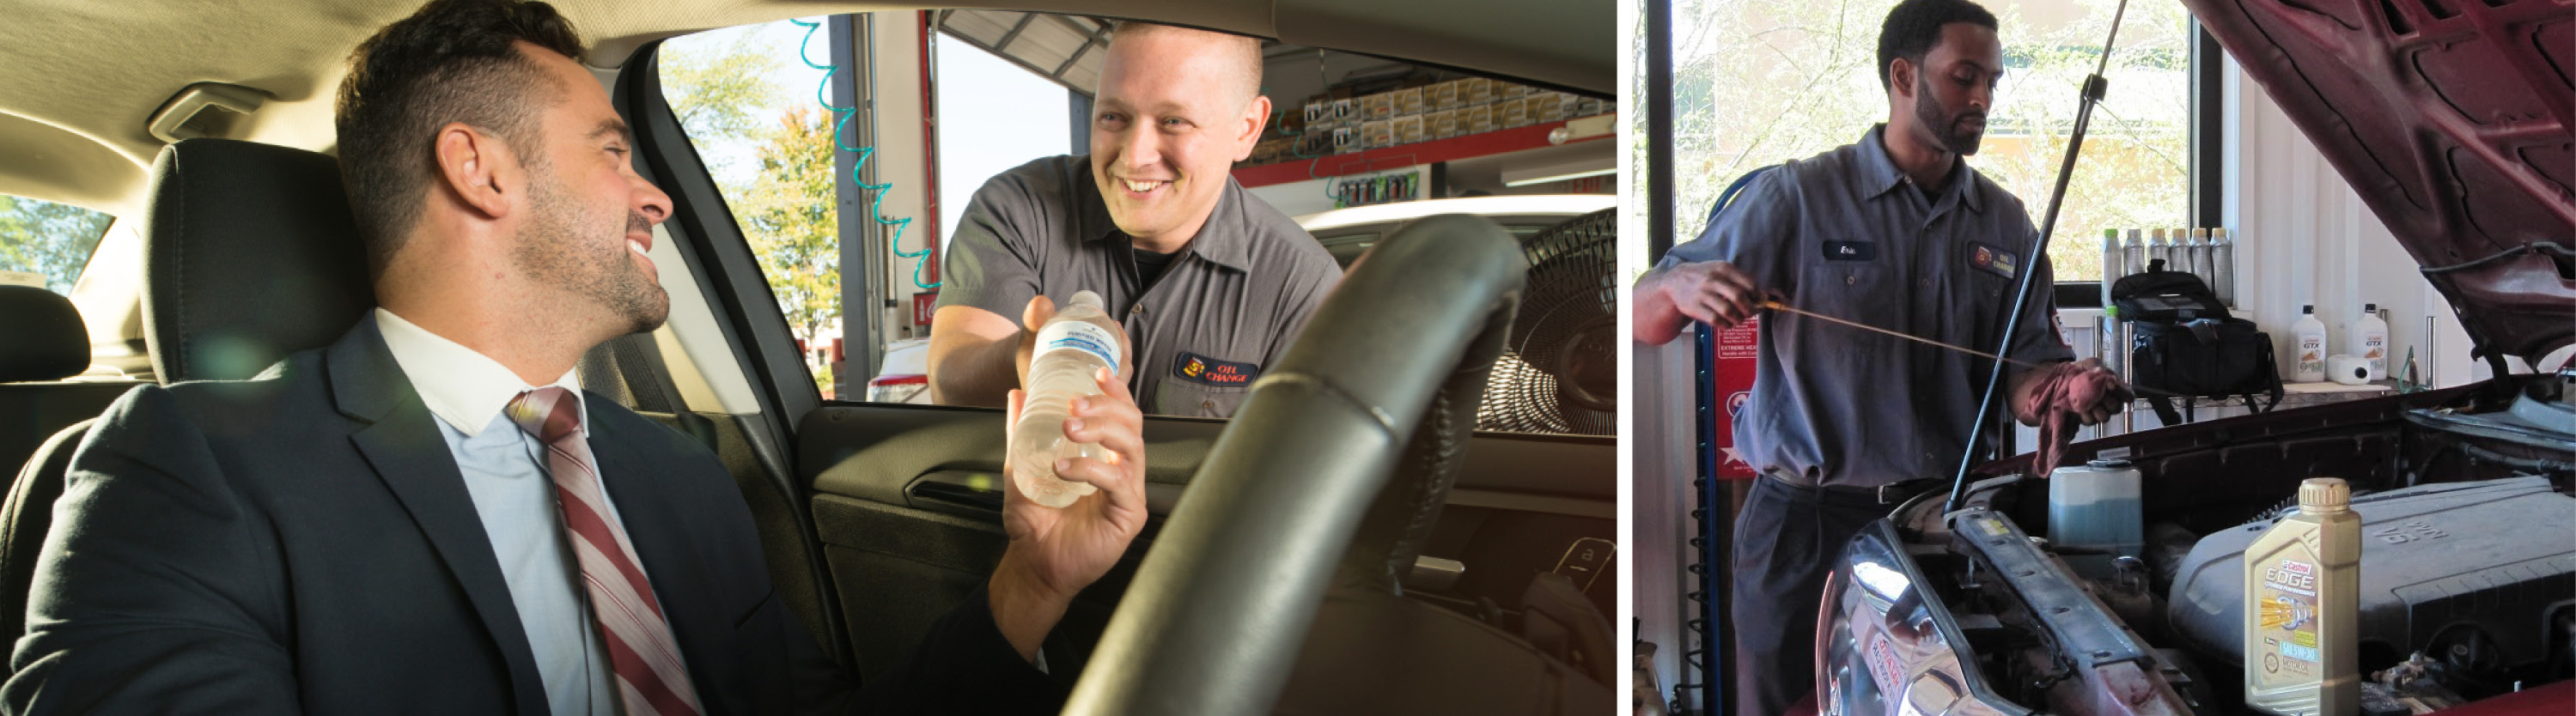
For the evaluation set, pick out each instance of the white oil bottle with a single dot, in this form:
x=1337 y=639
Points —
x=2302 y=608
x=2308 y=342
x=2370 y=340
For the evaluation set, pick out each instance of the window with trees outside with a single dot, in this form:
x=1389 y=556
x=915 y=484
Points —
x=1732 y=59
x=47 y=244
x=753 y=108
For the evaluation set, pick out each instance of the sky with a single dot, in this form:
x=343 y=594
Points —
x=993 y=116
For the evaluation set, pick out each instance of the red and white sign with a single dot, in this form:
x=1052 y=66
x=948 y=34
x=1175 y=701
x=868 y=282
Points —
x=1732 y=388
x=924 y=304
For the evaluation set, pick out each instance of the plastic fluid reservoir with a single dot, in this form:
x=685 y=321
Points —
x=2302 y=601
x=2095 y=506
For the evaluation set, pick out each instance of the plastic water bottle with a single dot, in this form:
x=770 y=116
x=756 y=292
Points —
x=1079 y=340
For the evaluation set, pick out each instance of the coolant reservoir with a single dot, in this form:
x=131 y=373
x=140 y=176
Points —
x=2302 y=608
x=2095 y=506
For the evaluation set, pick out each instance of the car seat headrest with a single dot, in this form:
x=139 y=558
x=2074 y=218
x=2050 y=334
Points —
x=250 y=254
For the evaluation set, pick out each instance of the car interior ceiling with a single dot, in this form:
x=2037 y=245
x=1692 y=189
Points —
x=869 y=516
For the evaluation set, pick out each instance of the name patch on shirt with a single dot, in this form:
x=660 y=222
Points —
x=1851 y=251
x=1203 y=370
x=1993 y=260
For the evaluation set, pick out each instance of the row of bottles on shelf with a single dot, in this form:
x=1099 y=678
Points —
x=2206 y=253
x=2365 y=347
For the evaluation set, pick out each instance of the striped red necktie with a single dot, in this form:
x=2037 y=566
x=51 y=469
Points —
x=651 y=679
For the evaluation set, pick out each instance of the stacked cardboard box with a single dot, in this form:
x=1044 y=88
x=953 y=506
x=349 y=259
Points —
x=1441 y=110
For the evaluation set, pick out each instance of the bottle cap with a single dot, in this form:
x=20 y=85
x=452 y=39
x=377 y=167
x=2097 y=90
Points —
x=2308 y=308
x=2370 y=308
x=2324 y=494
x=2220 y=232
x=2200 y=233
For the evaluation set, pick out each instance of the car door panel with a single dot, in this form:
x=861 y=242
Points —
x=906 y=504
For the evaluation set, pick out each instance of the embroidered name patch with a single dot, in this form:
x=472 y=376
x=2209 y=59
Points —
x=1203 y=370
x=1851 y=251
x=1993 y=260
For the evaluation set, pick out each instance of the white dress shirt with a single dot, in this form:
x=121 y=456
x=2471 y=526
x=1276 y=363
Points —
x=504 y=470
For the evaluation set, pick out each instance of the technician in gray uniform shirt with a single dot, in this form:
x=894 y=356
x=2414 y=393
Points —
x=1210 y=284
x=1894 y=231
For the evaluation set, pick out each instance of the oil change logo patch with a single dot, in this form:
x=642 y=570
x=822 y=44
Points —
x=1993 y=260
x=1203 y=370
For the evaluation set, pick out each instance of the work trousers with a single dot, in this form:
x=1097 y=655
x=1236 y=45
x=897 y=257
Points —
x=1787 y=538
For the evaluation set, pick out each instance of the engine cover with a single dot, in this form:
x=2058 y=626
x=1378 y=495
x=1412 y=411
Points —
x=2494 y=556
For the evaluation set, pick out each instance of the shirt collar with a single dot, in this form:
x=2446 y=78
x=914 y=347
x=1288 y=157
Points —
x=1879 y=175
x=463 y=387
x=1220 y=238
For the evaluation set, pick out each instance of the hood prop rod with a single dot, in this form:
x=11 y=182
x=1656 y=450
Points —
x=2094 y=88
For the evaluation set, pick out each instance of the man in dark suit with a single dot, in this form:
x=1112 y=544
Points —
x=427 y=516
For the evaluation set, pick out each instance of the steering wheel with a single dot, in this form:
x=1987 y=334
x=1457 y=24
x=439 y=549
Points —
x=1285 y=555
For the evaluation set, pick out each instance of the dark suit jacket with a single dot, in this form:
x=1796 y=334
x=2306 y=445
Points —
x=302 y=541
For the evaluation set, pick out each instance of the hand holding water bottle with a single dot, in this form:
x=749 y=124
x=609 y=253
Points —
x=1069 y=349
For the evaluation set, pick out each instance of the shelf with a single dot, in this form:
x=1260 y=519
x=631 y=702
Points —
x=1404 y=155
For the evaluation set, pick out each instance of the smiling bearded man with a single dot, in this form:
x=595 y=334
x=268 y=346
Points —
x=1209 y=283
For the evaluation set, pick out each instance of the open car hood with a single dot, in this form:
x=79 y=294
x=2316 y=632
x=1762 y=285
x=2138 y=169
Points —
x=2456 y=122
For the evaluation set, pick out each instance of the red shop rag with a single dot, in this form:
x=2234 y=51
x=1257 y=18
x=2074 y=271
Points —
x=2064 y=392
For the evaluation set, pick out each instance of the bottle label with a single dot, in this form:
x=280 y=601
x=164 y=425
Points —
x=2312 y=355
x=1077 y=336
x=2286 y=630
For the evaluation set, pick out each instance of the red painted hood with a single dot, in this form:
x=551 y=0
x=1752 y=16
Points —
x=2455 y=120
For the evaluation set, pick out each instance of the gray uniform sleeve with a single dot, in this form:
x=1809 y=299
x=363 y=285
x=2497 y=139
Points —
x=991 y=261
x=1758 y=233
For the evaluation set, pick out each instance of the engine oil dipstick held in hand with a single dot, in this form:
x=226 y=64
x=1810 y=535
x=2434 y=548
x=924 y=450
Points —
x=2063 y=392
x=1786 y=308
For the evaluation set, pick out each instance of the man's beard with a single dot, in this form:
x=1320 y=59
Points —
x=556 y=248
x=1963 y=142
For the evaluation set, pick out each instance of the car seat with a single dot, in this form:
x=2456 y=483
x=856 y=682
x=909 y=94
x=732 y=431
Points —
x=250 y=253
x=46 y=343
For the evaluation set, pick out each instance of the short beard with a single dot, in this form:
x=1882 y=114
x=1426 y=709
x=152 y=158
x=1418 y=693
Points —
x=1961 y=142
x=551 y=250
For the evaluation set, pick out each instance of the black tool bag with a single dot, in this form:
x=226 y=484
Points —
x=2184 y=343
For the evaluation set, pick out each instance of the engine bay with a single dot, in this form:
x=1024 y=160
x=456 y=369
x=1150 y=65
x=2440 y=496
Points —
x=2468 y=572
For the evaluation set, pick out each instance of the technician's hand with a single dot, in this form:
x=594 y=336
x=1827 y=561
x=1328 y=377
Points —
x=2099 y=391
x=1035 y=316
x=1712 y=292
x=1055 y=552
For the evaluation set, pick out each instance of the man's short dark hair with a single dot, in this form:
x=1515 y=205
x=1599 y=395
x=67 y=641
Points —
x=453 y=61
x=1914 y=26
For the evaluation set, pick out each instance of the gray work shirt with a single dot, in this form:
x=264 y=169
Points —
x=1226 y=308
x=1846 y=234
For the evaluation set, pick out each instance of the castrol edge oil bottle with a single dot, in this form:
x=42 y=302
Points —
x=2302 y=608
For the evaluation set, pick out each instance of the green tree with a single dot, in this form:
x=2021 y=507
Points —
x=787 y=214
x=46 y=238
x=721 y=85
